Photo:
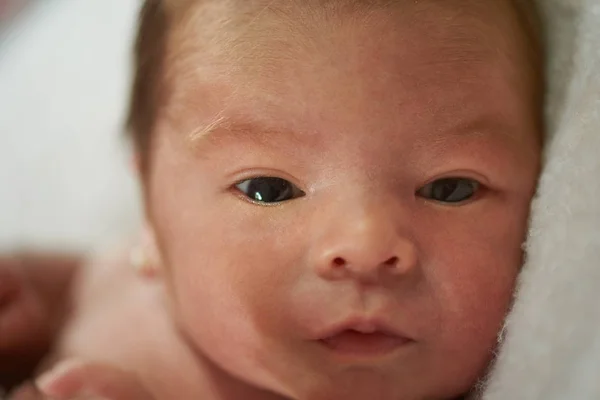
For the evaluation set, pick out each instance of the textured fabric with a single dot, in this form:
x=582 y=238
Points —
x=551 y=349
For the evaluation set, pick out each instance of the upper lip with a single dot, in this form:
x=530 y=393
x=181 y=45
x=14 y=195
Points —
x=362 y=325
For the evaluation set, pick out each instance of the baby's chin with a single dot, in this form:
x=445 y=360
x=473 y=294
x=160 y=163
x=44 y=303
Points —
x=302 y=378
x=368 y=384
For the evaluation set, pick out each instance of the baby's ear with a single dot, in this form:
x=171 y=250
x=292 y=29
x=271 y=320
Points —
x=145 y=256
x=135 y=164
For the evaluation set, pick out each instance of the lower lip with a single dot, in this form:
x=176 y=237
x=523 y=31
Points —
x=352 y=343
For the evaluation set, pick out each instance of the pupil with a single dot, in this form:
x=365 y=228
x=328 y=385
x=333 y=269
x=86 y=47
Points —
x=268 y=190
x=445 y=189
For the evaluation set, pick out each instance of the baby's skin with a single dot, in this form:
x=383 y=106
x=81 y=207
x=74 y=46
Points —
x=59 y=312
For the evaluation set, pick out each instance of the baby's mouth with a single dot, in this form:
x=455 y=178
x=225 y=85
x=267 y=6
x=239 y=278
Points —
x=363 y=339
x=351 y=342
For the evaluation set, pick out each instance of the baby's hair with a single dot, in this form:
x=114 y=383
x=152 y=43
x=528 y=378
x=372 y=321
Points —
x=149 y=56
x=158 y=18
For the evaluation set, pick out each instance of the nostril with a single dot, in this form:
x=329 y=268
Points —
x=339 y=262
x=392 y=262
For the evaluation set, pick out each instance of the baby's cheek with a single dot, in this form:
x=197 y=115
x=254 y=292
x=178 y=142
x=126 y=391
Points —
x=471 y=272
x=231 y=285
x=213 y=314
x=229 y=306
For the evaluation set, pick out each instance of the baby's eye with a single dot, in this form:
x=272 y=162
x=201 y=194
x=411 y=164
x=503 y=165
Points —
x=269 y=190
x=450 y=190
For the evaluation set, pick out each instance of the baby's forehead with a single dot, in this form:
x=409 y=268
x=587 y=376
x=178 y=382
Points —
x=245 y=30
x=355 y=60
x=197 y=58
x=280 y=42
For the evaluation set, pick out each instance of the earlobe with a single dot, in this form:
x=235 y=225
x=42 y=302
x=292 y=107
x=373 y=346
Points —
x=144 y=257
x=136 y=164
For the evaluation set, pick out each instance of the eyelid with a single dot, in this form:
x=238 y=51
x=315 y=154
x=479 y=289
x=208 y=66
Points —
x=239 y=192
x=480 y=191
x=247 y=199
x=460 y=174
x=254 y=173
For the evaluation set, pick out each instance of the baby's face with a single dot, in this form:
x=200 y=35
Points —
x=350 y=224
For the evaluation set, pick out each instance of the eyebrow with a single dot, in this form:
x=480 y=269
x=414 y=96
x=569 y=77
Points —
x=224 y=129
x=486 y=125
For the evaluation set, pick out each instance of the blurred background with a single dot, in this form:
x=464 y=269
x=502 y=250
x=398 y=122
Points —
x=65 y=176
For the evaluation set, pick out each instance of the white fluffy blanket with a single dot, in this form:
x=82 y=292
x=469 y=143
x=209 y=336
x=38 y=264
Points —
x=552 y=346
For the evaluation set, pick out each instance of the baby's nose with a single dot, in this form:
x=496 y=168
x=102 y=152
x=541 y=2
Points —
x=369 y=250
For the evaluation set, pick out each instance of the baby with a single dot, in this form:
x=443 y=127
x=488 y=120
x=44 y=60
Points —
x=336 y=194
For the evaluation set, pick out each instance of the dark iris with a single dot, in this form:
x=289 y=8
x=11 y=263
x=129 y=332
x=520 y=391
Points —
x=450 y=190
x=269 y=189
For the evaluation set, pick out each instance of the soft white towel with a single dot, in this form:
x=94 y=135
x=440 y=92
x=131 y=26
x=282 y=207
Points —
x=552 y=345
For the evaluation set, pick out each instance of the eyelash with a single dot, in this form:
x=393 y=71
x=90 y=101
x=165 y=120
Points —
x=475 y=187
x=288 y=191
x=281 y=190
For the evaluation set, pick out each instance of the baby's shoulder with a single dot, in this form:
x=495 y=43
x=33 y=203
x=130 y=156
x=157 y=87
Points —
x=122 y=319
